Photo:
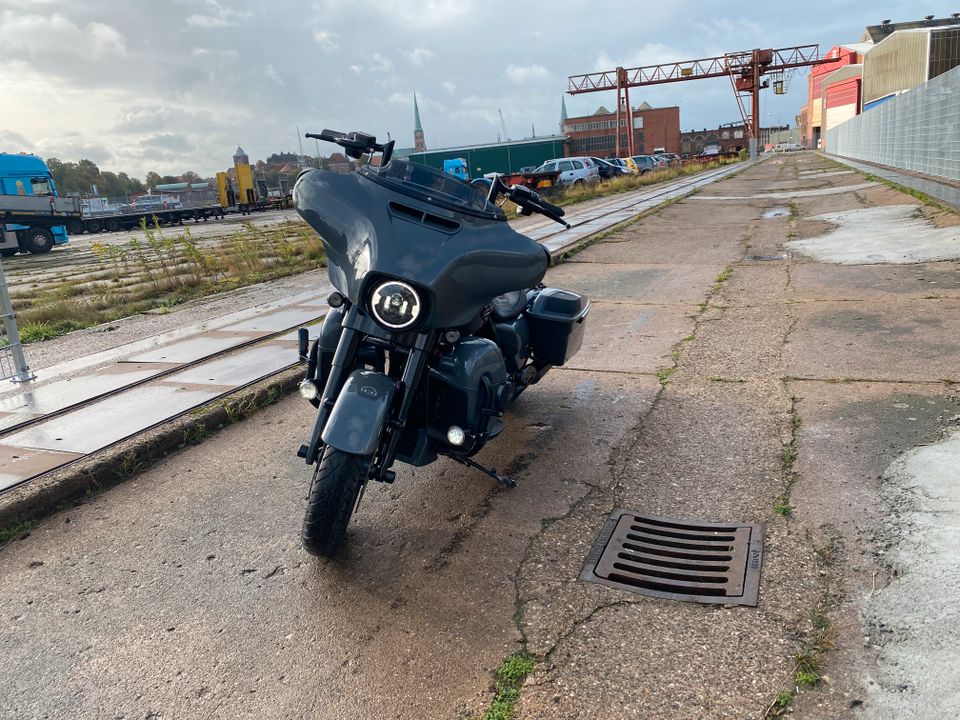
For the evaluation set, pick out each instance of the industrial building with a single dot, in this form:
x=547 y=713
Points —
x=503 y=157
x=891 y=58
x=730 y=137
x=596 y=134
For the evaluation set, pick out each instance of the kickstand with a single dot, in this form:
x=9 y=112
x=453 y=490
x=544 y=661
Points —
x=505 y=481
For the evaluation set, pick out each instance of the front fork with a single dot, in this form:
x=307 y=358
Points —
x=354 y=324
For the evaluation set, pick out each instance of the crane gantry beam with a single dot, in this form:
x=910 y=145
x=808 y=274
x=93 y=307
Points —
x=744 y=68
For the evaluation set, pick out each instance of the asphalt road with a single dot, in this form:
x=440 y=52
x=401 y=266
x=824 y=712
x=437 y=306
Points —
x=183 y=593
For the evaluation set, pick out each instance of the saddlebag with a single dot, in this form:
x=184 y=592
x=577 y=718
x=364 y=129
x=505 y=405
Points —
x=557 y=320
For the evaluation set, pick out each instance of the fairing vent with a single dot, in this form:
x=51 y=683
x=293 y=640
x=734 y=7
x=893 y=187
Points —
x=412 y=214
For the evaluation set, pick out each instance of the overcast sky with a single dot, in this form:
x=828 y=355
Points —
x=175 y=85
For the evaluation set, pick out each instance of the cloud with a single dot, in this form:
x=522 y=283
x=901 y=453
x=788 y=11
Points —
x=380 y=63
x=649 y=54
x=450 y=87
x=356 y=69
x=425 y=13
x=38 y=36
x=169 y=141
x=418 y=56
x=218 y=17
x=271 y=73
x=202 y=52
x=520 y=74
x=329 y=42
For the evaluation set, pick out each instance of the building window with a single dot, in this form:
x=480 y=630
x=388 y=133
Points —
x=738 y=134
x=726 y=135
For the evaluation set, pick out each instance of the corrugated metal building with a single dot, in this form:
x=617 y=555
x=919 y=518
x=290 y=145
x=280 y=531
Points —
x=502 y=157
x=845 y=55
x=906 y=59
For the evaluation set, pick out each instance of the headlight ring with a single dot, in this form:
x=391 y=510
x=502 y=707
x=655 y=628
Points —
x=395 y=304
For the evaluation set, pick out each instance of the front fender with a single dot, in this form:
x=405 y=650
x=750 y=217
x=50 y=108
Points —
x=360 y=412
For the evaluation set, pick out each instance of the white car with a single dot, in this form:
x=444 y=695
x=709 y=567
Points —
x=573 y=170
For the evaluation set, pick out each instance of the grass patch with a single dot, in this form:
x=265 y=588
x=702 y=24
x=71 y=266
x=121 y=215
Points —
x=510 y=676
x=38 y=331
x=17 y=529
x=163 y=271
x=783 y=509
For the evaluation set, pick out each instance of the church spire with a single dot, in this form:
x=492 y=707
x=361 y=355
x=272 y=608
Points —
x=419 y=144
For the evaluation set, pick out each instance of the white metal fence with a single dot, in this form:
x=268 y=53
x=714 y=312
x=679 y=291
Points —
x=918 y=130
x=13 y=365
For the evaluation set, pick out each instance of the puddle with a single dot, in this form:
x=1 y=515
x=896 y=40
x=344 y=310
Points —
x=915 y=621
x=776 y=213
x=767 y=258
x=893 y=234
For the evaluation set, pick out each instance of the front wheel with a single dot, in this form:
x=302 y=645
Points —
x=336 y=484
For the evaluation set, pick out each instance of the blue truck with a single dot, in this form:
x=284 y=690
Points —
x=33 y=218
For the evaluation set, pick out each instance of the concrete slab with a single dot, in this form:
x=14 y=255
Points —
x=815 y=281
x=82 y=388
x=18 y=464
x=104 y=422
x=196 y=348
x=889 y=234
x=889 y=341
x=788 y=194
x=239 y=368
x=655 y=284
x=632 y=338
x=850 y=434
x=277 y=320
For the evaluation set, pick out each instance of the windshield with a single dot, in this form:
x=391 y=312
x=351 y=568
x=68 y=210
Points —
x=437 y=185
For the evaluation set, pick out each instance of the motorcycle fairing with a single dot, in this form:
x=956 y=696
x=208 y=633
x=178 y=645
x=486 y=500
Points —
x=458 y=260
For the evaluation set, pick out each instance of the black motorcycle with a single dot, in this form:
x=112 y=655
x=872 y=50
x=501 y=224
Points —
x=438 y=322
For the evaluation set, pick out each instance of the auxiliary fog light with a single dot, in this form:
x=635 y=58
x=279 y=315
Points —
x=456 y=436
x=308 y=391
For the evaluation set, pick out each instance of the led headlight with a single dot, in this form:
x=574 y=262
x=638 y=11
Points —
x=395 y=305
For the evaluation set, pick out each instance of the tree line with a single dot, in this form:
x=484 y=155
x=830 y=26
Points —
x=81 y=177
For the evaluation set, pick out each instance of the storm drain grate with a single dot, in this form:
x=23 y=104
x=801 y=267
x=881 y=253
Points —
x=678 y=559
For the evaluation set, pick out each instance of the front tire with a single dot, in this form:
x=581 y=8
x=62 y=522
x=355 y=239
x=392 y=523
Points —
x=336 y=484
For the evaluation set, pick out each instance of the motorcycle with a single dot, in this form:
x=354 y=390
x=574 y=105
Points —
x=437 y=323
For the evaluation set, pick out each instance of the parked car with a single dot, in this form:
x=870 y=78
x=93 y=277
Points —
x=622 y=164
x=643 y=164
x=669 y=158
x=607 y=169
x=573 y=170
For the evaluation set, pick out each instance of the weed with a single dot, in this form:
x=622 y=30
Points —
x=725 y=275
x=194 y=434
x=15 y=530
x=663 y=375
x=784 y=509
x=783 y=700
x=807 y=679
x=130 y=465
x=789 y=457
x=37 y=332
x=510 y=676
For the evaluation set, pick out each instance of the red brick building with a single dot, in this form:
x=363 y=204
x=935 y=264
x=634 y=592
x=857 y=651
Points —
x=596 y=134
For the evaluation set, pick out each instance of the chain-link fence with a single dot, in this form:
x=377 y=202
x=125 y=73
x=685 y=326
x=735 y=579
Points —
x=917 y=130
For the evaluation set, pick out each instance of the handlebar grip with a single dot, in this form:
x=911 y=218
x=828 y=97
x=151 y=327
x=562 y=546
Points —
x=327 y=135
x=550 y=207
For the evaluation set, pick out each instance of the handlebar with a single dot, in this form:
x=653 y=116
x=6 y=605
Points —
x=356 y=143
x=529 y=201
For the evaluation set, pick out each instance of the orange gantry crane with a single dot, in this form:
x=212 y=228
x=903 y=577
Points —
x=745 y=70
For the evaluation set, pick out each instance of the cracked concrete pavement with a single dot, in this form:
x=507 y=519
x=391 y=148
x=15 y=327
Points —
x=184 y=592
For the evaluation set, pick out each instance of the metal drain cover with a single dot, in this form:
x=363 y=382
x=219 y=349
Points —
x=678 y=559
